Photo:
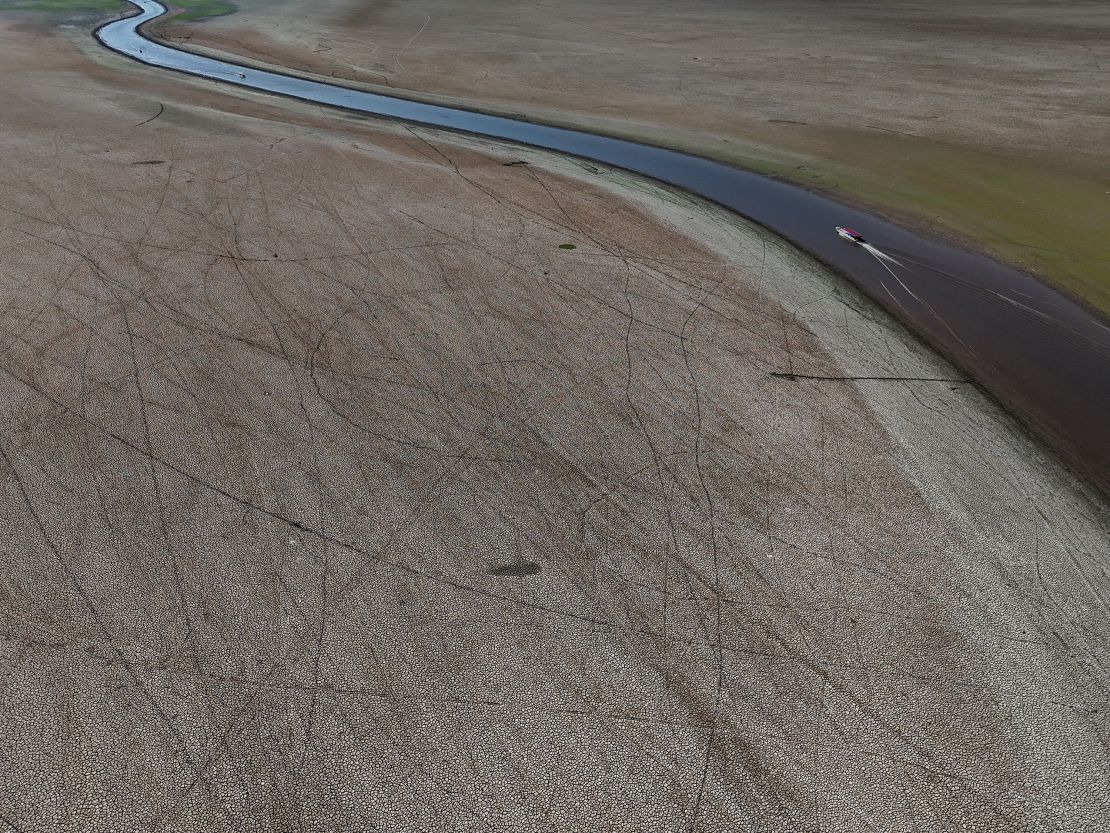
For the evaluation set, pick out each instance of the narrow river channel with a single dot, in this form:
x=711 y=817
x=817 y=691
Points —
x=1041 y=354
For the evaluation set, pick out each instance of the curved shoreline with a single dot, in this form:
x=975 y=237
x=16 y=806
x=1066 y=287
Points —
x=1044 y=356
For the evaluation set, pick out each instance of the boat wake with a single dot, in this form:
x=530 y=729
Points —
x=881 y=255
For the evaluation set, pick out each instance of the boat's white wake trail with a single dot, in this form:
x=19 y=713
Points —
x=884 y=261
x=880 y=255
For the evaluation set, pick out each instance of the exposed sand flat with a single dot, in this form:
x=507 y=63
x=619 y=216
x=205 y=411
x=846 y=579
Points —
x=721 y=65
x=985 y=119
x=281 y=388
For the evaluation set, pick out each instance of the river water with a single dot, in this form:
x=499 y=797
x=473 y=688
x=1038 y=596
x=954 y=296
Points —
x=1045 y=357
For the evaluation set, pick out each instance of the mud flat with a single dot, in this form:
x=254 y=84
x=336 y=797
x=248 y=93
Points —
x=363 y=476
x=1042 y=355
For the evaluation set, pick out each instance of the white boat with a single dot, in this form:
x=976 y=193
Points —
x=850 y=235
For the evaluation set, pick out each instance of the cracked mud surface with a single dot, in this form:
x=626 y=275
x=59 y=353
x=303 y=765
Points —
x=295 y=405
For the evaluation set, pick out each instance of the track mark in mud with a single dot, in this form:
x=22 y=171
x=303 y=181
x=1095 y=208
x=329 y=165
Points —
x=873 y=378
x=161 y=110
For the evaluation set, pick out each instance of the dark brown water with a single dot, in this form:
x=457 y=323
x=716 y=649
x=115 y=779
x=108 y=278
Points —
x=1044 y=356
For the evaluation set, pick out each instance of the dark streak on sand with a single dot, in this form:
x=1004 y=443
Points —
x=518 y=569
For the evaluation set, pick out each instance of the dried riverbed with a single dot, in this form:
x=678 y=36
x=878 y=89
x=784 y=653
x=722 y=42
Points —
x=295 y=406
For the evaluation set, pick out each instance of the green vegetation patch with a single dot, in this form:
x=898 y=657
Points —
x=186 y=9
x=61 y=6
x=200 y=9
x=1044 y=215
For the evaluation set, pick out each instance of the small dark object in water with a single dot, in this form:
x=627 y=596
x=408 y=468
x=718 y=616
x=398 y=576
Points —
x=567 y=246
x=517 y=569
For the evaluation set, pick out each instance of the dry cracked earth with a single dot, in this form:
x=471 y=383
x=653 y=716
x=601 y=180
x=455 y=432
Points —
x=341 y=494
